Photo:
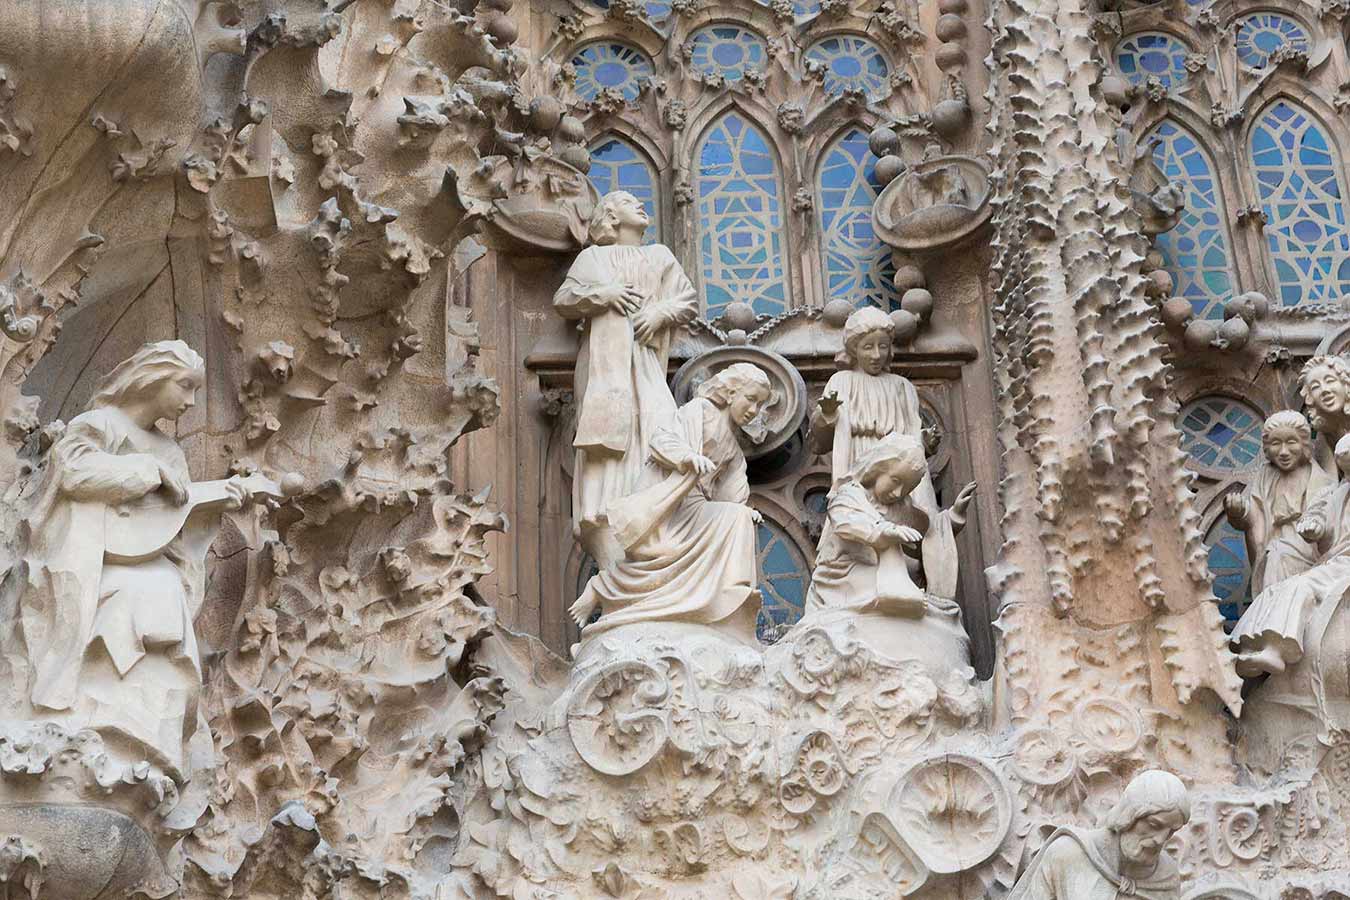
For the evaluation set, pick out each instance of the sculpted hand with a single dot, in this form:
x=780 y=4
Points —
x=648 y=323
x=962 y=502
x=238 y=491
x=173 y=485
x=756 y=516
x=581 y=610
x=1311 y=530
x=622 y=298
x=1239 y=510
x=828 y=404
x=903 y=534
x=701 y=465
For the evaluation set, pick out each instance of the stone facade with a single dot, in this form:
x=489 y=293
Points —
x=808 y=450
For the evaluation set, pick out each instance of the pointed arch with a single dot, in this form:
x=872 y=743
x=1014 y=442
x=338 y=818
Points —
x=1300 y=190
x=617 y=165
x=856 y=264
x=1197 y=251
x=740 y=218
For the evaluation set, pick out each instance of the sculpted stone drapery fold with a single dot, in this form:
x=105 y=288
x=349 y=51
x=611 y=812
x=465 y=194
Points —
x=862 y=406
x=630 y=299
x=689 y=538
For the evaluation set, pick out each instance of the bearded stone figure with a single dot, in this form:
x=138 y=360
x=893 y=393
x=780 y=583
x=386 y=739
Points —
x=864 y=404
x=105 y=618
x=689 y=538
x=1123 y=859
x=629 y=299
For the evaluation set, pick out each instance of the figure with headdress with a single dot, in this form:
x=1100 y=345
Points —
x=108 y=642
x=630 y=299
x=1123 y=859
x=688 y=538
x=862 y=405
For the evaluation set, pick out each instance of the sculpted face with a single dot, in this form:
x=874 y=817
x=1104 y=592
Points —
x=746 y=404
x=895 y=480
x=176 y=395
x=631 y=214
x=1284 y=448
x=1325 y=391
x=873 y=352
x=1142 y=843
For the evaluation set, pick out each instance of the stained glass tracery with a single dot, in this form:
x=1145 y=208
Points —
x=1230 y=568
x=617 y=166
x=1220 y=433
x=740 y=220
x=1196 y=251
x=610 y=64
x=1261 y=34
x=1300 y=191
x=851 y=62
x=1152 y=55
x=858 y=265
x=783 y=579
x=728 y=51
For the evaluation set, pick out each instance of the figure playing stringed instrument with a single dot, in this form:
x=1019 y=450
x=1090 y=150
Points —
x=116 y=562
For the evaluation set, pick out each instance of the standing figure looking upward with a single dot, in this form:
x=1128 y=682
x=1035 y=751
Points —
x=630 y=300
x=867 y=402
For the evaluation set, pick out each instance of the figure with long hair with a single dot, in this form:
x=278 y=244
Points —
x=108 y=642
x=629 y=300
x=689 y=538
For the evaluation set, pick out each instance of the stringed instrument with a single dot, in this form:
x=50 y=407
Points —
x=141 y=529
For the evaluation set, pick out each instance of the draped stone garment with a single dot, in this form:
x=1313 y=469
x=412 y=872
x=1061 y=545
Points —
x=871 y=407
x=620 y=382
x=690 y=540
x=1070 y=866
x=1278 y=500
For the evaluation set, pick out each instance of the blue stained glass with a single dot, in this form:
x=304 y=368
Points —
x=1231 y=569
x=783 y=579
x=1261 y=34
x=1300 y=192
x=611 y=65
x=1195 y=252
x=1152 y=55
x=617 y=166
x=852 y=62
x=658 y=11
x=740 y=221
x=727 y=50
x=1220 y=433
x=858 y=265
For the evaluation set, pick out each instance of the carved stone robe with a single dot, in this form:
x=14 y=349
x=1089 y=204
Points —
x=871 y=407
x=690 y=540
x=1070 y=867
x=620 y=383
x=1278 y=500
x=76 y=600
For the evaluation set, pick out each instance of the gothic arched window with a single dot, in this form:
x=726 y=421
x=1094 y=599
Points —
x=851 y=62
x=857 y=264
x=658 y=11
x=1195 y=251
x=1229 y=566
x=1299 y=190
x=740 y=219
x=1152 y=55
x=728 y=51
x=609 y=64
x=616 y=165
x=1222 y=435
x=783 y=579
x=1264 y=33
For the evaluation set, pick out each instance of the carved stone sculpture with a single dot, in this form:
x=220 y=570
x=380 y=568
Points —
x=1286 y=486
x=116 y=564
x=689 y=538
x=630 y=298
x=1324 y=385
x=866 y=403
x=1123 y=859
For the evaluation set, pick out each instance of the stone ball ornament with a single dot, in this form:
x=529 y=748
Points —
x=786 y=411
x=934 y=205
